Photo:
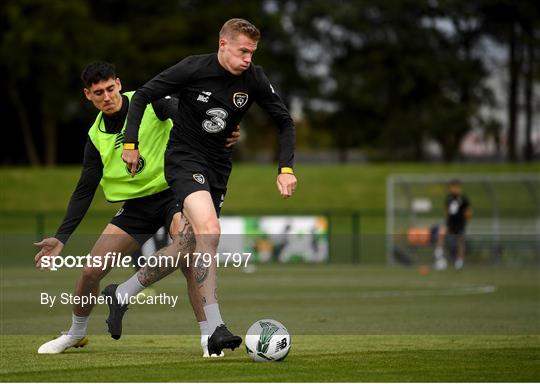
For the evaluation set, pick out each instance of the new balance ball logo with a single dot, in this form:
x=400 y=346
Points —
x=198 y=178
x=281 y=344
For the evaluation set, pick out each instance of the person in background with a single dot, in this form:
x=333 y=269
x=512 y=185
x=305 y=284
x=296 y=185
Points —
x=458 y=213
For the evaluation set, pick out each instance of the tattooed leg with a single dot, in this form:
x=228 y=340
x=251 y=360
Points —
x=199 y=210
x=189 y=272
x=182 y=245
x=205 y=267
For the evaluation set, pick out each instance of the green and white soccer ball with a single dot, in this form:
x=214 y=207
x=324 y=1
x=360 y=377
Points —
x=267 y=340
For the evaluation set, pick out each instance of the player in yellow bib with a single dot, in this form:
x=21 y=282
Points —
x=148 y=202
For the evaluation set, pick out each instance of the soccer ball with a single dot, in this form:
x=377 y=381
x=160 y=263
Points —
x=267 y=340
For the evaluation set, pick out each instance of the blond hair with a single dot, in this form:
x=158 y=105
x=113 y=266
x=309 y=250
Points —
x=234 y=27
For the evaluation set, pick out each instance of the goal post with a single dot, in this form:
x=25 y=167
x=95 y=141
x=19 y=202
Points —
x=505 y=227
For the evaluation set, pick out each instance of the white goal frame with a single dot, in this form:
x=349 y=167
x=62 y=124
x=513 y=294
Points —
x=489 y=181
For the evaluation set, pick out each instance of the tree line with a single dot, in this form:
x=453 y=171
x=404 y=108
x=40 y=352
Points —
x=380 y=76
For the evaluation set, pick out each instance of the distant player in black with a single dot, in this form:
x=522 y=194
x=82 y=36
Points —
x=215 y=91
x=458 y=213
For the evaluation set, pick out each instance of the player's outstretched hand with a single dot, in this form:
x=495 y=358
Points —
x=286 y=183
x=50 y=246
x=233 y=139
x=131 y=158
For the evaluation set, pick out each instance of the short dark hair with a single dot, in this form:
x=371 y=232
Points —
x=97 y=71
x=233 y=27
x=455 y=182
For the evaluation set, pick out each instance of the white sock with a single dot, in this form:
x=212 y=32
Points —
x=213 y=317
x=78 y=325
x=439 y=253
x=203 y=326
x=130 y=287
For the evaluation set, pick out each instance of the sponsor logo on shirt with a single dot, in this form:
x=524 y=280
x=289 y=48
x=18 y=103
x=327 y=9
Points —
x=453 y=207
x=204 y=96
x=217 y=122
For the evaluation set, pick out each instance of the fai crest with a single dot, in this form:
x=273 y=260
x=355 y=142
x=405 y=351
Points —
x=198 y=178
x=240 y=99
x=140 y=166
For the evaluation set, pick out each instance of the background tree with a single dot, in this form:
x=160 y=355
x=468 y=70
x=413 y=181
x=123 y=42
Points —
x=382 y=77
x=516 y=26
x=399 y=73
x=41 y=53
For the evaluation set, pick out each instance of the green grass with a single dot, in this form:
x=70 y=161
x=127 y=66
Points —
x=313 y=358
x=347 y=323
x=251 y=186
x=33 y=200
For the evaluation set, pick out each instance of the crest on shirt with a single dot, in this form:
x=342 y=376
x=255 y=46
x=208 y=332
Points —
x=198 y=178
x=240 y=99
x=140 y=165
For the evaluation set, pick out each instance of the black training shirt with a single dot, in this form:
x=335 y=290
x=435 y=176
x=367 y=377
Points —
x=456 y=206
x=212 y=102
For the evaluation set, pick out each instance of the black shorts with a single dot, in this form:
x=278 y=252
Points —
x=188 y=172
x=456 y=229
x=142 y=217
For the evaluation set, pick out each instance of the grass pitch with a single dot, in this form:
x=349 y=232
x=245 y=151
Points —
x=348 y=323
x=313 y=358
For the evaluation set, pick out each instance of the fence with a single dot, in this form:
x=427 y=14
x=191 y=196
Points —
x=351 y=239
